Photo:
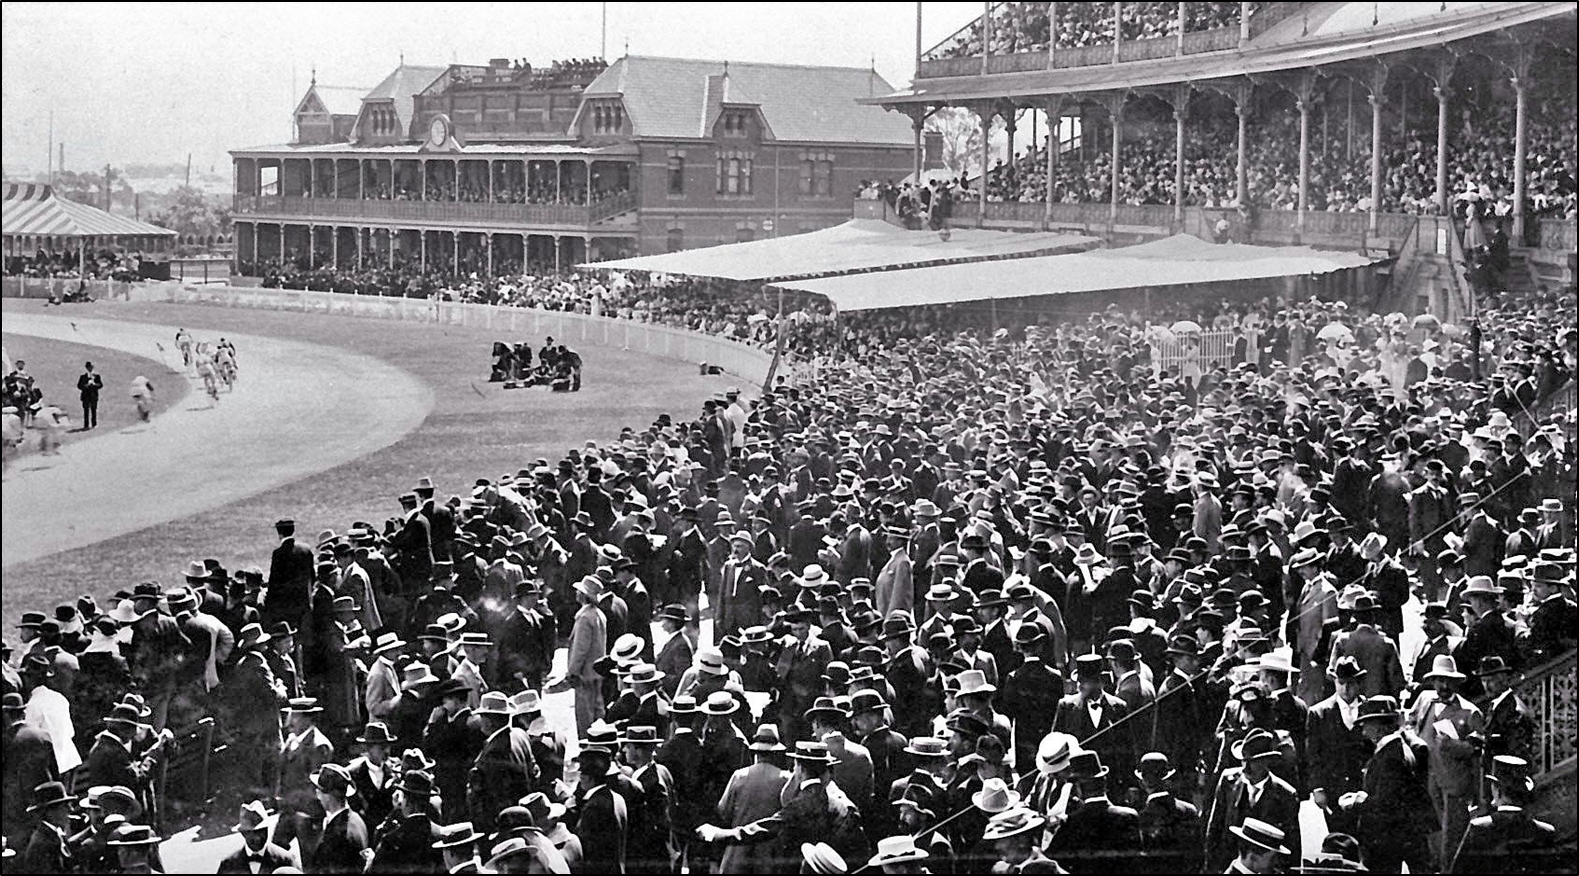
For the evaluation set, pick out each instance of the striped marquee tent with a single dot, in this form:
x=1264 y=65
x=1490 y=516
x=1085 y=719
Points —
x=34 y=217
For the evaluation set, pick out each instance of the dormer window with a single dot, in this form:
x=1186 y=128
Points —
x=735 y=123
x=607 y=118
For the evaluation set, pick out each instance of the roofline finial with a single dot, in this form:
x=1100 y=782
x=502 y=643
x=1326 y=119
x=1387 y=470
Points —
x=726 y=66
x=314 y=81
x=402 y=59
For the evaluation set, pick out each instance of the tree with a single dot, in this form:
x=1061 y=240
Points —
x=961 y=130
x=187 y=211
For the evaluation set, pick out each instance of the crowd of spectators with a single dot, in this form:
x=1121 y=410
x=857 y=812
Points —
x=1482 y=164
x=1023 y=26
x=978 y=597
x=103 y=264
x=533 y=190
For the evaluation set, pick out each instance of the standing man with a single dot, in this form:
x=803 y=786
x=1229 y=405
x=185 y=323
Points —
x=588 y=644
x=290 y=578
x=88 y=385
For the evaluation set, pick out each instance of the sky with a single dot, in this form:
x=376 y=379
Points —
x=151 y=82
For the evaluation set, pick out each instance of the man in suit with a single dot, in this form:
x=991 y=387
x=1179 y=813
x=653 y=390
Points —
x=1555 y=619
x=1438 y=641
x=47 y=849
x=739 y=599
x=648 y=848
x=895 y=584
x=1508 y=839
x=1167 y=823
x=29 y=759
x=341 y=846
x=799 y=669
x=1179 y=719
x=1510 y=726
x=676 y=655
x=1394 y=808
x=1090 y=711
x=814 y=811
x=1030 y=695
x=1335 y=745
x=413 y=545
x=1375 y=653
x=750 y=794
x=1130 y=683
x=1097 y=824
x=441 y=521
x=304 y=751
x=602 y=817
x=1487 y=631
x=1250 y=791
x=111 y=761
x=588 y=644
x=290 y=578
x=1455 y=752
x=504 y=770
x=373 y=775
x=256 y=850
x=687 y=573
x=1387 y=580
x=1483 y=538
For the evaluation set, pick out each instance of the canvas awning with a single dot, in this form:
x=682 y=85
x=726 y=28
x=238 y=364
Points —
x=34 y=210
x=1173 y=261
x=857 y=245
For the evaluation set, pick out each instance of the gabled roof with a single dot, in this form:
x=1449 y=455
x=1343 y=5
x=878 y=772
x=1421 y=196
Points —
x=339 y=100
x=669 y=97
x=34 y=209
x=401 y=85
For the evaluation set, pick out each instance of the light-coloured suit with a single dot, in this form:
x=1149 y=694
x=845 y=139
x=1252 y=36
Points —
x=752 y=793
x=895 y=587
x=1455 y=776
x=588 y=644
x=382 y=691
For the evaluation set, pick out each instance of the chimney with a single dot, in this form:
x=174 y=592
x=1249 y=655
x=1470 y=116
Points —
x=932 y=150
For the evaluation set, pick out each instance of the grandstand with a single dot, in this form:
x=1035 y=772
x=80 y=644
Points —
x=1365 y=126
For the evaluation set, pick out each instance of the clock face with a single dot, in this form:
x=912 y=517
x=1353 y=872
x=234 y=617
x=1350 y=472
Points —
x=436 y=132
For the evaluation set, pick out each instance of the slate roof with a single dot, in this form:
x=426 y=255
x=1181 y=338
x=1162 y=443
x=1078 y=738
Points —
x=340 y=100
x=401 y=86
x=668 y=97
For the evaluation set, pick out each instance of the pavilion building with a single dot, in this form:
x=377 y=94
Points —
x=503 y=167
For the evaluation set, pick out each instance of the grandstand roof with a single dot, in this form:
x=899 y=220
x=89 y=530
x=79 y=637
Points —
x=668 y=97
x=401 y=86
x=34 y=209
x=1172 y=261
x=1338 y=32
x=857 y=245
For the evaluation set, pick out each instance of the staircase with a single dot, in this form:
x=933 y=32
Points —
x=1521 y=273
x=1549 y=690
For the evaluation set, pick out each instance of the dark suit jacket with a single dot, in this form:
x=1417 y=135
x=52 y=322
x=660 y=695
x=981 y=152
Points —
x=1278 y=806
x=1097 y=824
x=272 y=856
x=503 y=772
x=413 y=543
x=603 y=826
x=1397 y=798
x=1116 y=747
x=290 y=579
x=29 y=759
x=110 y=762
x=1030 y=697
x=340 y=848
x=1335 y=755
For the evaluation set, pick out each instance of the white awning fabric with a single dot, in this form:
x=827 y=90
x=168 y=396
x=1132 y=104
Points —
x=857 y=245
x=1173 y=261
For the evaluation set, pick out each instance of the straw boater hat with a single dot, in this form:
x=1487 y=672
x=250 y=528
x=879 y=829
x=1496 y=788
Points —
x=1262 y=835
x=1012 y=823
x=895 y=849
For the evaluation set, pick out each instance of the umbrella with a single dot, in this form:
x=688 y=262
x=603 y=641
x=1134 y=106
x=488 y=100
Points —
x=1184 y=325
x=1395 y=317
x=1334 y=331
x=1161 y=334
x=1427 y=321
x=756 y=318
x=1451 y=331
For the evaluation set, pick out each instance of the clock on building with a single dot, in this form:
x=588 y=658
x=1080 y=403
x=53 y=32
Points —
x=438 y=132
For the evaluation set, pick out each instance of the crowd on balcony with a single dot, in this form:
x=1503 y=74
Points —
x=534 y=191
x=1481 y=164
x=972 y=600
x=1023 y=26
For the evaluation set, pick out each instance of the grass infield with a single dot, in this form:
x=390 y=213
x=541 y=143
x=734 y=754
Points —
x=476 y=429
x=55 y=365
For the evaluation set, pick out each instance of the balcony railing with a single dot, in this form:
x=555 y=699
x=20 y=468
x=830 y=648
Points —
x=1019 y=62
x=435 y=211
x=1153 y=49
x=937 y=68
x=1218 y=39
x=1084 y=56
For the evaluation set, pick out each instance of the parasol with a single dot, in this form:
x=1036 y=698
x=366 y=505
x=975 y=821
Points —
x=1427 y=321
x=1335 y=331
x=1184 y=325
